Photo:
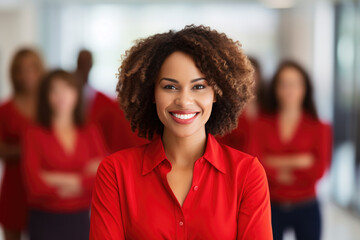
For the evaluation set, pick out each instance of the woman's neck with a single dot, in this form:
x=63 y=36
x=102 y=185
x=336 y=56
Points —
x=290 y=112
x=62 y=122
x=184 y=151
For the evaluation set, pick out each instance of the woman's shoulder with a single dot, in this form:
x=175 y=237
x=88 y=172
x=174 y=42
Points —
x=264 y=120
x=126 y=158
x=7 y=107
x=316 y=125
x=237 y=160
x=89 y=129
x=6 y=103
x=36 y=131
x=243 y=168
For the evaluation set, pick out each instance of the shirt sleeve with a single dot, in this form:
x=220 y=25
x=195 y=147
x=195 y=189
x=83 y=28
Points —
x=322 y=153
x=98 y=143
x=36 y=187
x=254 y=218
x=97 y=149
x=106 y=221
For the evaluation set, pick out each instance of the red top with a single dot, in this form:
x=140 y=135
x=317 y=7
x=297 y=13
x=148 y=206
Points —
x=239 y=137
x=111 y=121
x=43 y=151
x=311 y=136
x=13 y=208
x=228 y=199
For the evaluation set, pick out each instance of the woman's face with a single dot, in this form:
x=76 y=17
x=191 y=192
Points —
x=182 y=95
x=63 y=98
x=29 y=73
x=290 y=89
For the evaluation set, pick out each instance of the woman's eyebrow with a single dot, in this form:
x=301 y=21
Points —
x=176 y=81
x=169 y=79
x=197 y=79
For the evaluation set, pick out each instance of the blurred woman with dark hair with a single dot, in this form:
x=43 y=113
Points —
x=61 y=158
x=103 y=111
x=16 y=115
x=295 y=149
x=239 y=138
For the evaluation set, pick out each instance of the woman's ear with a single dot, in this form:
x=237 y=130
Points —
x=214 y=100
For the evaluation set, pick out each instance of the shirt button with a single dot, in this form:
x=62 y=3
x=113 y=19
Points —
x=195 y=188
x=181 y=223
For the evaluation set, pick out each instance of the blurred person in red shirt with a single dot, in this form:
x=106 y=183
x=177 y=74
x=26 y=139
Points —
x=61 y=157
x=104 y=111
x=239 y=138
x=16 y=115
x=180 y=89
x=294 y=146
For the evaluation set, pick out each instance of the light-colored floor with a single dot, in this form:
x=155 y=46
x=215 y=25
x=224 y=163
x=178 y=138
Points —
x=338 y=224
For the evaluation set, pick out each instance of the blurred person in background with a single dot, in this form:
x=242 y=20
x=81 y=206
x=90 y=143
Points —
x=239 y=138
x=61 y=156
x=16 y=115
x=294 y=146
x=104 y=111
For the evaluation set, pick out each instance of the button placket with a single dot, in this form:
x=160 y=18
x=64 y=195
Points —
x=180 y=222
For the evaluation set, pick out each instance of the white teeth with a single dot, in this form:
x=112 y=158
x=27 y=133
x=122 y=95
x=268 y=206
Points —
x=184 y=116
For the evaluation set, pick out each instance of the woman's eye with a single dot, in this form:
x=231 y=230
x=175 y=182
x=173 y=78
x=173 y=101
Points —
x=172 y=87
x=199 y=87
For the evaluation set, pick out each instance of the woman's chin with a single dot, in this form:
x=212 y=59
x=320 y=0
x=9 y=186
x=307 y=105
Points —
x=181 y=132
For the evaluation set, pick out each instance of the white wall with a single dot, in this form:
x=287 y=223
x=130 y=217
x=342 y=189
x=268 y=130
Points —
x=306 y=34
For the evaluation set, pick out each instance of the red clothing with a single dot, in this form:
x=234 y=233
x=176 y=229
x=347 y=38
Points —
x=229 y=197
x=239 y=138
x=311 y=136
x=13 y=209
x=110 y=119
x=43 y=151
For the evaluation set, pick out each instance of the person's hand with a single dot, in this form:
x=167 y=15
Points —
x=72 y=187
x=92 y=167
x=67 y=184
x=304 y=160
x=285 y=176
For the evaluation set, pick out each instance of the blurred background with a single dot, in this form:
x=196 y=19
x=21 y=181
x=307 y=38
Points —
x=323 y=36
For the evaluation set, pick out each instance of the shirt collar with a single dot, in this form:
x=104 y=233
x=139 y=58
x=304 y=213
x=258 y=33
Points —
x=154 y=154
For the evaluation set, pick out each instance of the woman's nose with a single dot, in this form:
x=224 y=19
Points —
x=184 y=98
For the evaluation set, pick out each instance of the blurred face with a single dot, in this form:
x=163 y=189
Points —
x=290 y=88
x=84 y=64
x=182 y=95
x=29 y=73
x=63 y=98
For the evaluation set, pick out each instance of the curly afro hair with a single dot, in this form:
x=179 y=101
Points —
x=222 y=61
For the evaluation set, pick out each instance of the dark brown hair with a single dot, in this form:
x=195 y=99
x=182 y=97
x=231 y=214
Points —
x=44 y=111
x=308 y=104
x=261 y=87
x=16 y=65
x=220 y=59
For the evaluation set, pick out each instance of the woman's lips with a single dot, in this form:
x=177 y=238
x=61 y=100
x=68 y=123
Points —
x=183 y=117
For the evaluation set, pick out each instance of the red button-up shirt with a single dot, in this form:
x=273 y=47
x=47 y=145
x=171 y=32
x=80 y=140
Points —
x=228 y=199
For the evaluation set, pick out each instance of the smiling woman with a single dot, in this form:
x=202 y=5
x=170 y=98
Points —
x=180 y=89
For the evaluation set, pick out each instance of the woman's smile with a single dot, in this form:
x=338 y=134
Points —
x=184 y=117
